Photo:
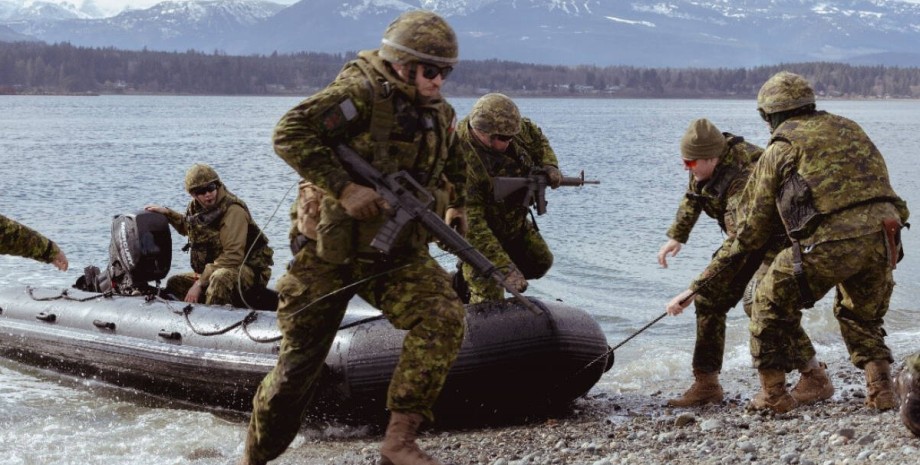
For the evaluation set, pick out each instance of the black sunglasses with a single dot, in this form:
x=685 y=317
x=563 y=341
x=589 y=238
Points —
x=430 y=71
x=210 y=187
x=501 y=137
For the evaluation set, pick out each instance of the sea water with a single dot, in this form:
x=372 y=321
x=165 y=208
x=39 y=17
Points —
x=68 y=164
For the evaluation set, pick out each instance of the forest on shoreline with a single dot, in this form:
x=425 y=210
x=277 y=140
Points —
x=35 y=68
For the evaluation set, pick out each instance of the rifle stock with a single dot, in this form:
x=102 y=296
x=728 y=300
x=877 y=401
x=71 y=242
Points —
x=402 y=192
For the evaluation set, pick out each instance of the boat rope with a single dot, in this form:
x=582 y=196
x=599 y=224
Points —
x=65 y=295
x=188 y=309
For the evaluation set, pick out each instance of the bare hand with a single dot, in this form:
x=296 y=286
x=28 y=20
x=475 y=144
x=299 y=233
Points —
x=156 y=209
x=60 y=261
x=456 y=218
x=683 y=300
x=672 y=247
x=193 y=293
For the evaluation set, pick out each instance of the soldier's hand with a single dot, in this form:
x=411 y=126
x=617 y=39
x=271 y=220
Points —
x=669 y=248
x=361 y=202
x=683 y=300
x=516 y=280
x=553 y=175
x=456 y=218
x=156 y=209
x=60 y=261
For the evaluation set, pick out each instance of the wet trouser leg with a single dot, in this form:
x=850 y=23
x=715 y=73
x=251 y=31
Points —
x=529 y=253
x=224 y=282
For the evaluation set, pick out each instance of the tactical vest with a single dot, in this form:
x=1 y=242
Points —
x=399 y=135
x=734 y=167
x=204 y=235
x=831 y=173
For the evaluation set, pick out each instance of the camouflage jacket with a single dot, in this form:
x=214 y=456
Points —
x=369 y=108
x=221 y=237
x=492 y=223
x=717 y=195
x=20 y=240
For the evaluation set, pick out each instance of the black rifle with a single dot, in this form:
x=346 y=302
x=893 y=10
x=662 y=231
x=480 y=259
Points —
x=532 y=188
x=410 y=201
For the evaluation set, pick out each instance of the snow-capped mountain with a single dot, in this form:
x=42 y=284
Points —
x=676 y=33
x=40 y=11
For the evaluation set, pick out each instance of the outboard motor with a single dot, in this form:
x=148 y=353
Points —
x=140 y=251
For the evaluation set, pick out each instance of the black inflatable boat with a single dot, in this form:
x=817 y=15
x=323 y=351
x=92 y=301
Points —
x=513 y=363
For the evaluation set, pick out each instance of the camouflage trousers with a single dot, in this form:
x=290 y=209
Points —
x=529 y=253
x=713 y=302
x=411 y=290
x=857 y=268
x=223 y=285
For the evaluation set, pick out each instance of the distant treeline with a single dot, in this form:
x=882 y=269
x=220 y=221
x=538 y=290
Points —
x=37 y=68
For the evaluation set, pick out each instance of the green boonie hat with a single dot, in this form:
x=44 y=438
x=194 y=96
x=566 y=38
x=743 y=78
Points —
x=496 y=114
x=702 y=140
x=419 y=36
x=199 y=175
x=784 y=91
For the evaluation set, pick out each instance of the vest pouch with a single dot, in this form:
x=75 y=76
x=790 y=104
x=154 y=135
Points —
x=334 y=233
x=797 y=208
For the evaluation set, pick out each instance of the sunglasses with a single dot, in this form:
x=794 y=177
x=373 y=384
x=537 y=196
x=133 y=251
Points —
x=501 y=137
x=689 y=163
x=210 y=187
x=430 y=71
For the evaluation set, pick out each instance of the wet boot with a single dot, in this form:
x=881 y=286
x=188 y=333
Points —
x=399 y=447
x=814 y=385
x=773 y=394
x=907 y=387
x=704 y=390
x=880 y=392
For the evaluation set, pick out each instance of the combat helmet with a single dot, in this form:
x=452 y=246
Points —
x=495 y=114
x=199 y=175
x=419 y=36
x=784 y=91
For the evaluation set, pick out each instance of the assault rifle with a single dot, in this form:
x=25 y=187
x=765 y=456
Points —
x=532 y=188
x=410 y=201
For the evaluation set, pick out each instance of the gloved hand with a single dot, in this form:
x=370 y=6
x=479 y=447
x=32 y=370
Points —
x=553 y=175
x=516 y=280
x=456 y=218
x=361 y=202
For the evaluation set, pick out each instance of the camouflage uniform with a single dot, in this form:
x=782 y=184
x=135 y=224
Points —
x=843 y=248
x=20 y=240
x=719 y=198
x=502 y=230
x=219 y=240
x=371 y=109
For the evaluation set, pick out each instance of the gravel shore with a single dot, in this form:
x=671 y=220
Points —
x=639 y=429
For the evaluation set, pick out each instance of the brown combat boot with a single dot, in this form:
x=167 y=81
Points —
x=245 y=460
x=907 y=386
x=880 y=393
x=399 y=447
x=704 y=390
x=814 y=385
x=773 y=394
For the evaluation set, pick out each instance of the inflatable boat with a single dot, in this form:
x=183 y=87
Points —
x=513 y=363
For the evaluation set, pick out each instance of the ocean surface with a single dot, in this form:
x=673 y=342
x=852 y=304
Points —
x=68 y=164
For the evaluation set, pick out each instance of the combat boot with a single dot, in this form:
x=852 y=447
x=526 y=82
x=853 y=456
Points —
x=907 y=386
x=704 y=390
x=399 y=447
x=814 y=385
x=245 y=460
x=880 y=392
x=773 y=394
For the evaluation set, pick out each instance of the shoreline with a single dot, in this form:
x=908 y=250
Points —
x=611 y=429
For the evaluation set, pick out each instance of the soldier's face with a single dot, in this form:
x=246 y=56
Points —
x=427 y=87
x=206 y=199
x=496 y=142
x=701 y=169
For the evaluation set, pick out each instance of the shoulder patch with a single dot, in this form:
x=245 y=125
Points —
x=338 y=115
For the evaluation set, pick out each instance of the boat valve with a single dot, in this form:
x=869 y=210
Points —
x=104 y=324
x=170 y=335
x=49 y=317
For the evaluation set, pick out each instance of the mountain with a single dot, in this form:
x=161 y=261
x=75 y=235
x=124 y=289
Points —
x=677 y=33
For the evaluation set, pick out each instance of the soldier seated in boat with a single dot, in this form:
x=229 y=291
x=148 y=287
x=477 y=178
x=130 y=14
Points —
x=20 y=240
x=229 y=254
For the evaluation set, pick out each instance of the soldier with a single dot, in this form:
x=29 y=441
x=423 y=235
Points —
x=229 y=254
x=719 y=165
x=387 y=106
x=826 y=182
x=18 y=239
x=497 y=141
x=907 y=385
